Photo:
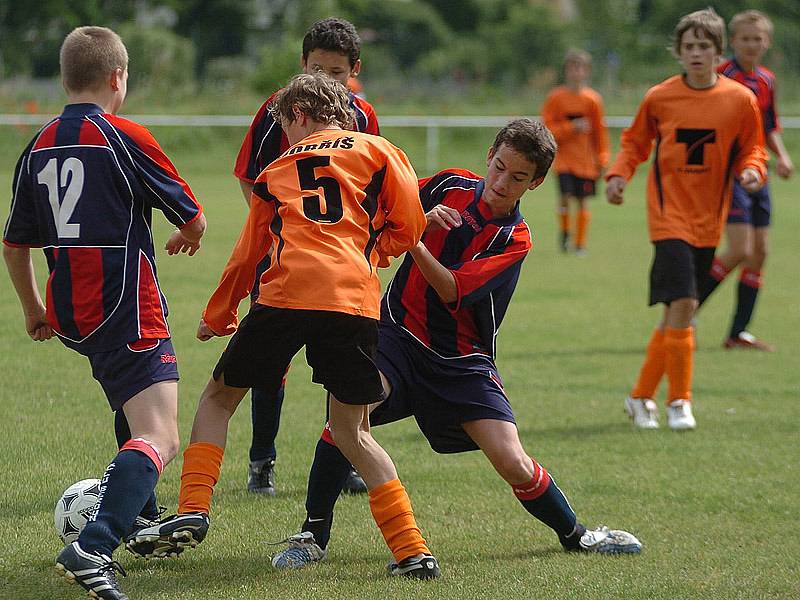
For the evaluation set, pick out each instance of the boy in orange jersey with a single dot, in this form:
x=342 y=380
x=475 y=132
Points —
x=331 y=46
x=574 y=113
x=749 y=215
x=335 y=206
x=707 y=129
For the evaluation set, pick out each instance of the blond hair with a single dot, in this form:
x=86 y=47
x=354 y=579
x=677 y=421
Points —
x=751 y=17
x=707 y=21
x=318 y=97
x=89 y=55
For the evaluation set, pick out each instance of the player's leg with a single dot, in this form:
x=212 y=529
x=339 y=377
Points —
x=537 y=491
x=138 y=382
x=747 y=294
x=562 y=210
x=150 y=511
x=584 y=215
x=266 y=416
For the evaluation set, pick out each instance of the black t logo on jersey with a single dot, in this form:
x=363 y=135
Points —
x=695 y=140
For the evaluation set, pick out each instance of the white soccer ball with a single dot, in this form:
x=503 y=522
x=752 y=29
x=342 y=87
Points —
x=74 y=508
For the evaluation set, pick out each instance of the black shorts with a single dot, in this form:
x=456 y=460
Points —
x=677 y=271
x=340 y=349
x=576 y=186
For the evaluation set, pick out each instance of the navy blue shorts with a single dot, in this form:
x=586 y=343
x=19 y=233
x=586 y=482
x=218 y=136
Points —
x=439 y=394
x=133 y=368
x=678 y=270
x=752 y=209
x=575 y=186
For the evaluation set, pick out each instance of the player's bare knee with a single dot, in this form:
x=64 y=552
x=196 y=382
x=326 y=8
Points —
x=514 y=468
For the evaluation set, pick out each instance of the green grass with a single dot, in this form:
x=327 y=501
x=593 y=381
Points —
x=714 y=508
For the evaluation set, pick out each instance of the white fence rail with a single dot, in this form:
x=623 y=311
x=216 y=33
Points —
x=432 y=124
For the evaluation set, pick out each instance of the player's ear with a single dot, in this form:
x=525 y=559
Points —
x=536 y=183
x=115 y=79
x=355 y=69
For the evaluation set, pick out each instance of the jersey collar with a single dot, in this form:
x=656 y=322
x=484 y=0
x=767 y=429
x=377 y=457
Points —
x=82 y=109
x=485 y=212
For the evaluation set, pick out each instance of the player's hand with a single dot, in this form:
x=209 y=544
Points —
x=178 y=242
x=581 y=125
x=750 y=180
x=444 y=217
x=784 y=167
x=37 y=326
x=204 y=332
x=614 y=189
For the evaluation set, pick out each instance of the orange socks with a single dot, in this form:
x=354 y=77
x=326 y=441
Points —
x=678 y=349
x=652 y=369
x=201 y=466
x=391 y=509
x=584 y=217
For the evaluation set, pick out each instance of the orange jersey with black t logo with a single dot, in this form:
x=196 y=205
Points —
x=702 y=139
x=582 y=154
x=332 y=207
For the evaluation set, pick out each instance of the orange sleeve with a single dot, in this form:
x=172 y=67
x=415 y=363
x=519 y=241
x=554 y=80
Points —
x=636 y=144
x=753 y=153
x=560 y=128
x=240 y=272
x=405 y=219
x=602 y=146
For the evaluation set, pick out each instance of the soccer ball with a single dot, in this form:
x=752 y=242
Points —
x=74 y=508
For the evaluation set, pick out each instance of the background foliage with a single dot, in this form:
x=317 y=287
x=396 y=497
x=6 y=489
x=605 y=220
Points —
x=486 y=54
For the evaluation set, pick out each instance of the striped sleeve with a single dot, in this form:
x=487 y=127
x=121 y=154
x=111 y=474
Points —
x=432 y=190
x=499 y=263
x=165 y=188
x=262 y=144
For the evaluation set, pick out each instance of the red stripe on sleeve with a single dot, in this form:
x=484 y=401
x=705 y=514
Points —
x=47 y=139
x=152 y=321
x=86 y=272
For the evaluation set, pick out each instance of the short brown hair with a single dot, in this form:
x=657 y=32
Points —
x=317 y=96
x=89 y=55
x=707 y=21
x=531 y=139
x=578 y=56
x=751 y=17
x=335 y=35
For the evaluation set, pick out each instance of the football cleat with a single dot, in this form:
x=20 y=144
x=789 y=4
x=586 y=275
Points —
x=302 y=551
x=169 y=537
x=748 y=341
x=643 y=412
x=261 y=477
x=418 y=567
x=609 y=541
x=679 y=415
x=354 y=484
x=93 y=572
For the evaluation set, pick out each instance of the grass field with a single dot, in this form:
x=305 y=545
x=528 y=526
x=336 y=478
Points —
x=714 y=508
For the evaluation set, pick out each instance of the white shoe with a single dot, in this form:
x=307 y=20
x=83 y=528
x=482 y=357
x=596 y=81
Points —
x=302 y=551
x=609 y=541
x=679 y=415
x=644 y=412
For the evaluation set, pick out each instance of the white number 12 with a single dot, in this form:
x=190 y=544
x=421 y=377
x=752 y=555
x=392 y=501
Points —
x=72 y=173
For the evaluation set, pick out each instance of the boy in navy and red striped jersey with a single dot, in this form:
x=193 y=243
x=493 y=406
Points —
x=436 y=347
x=749 y=216
x=331 y=46
x=84 y=190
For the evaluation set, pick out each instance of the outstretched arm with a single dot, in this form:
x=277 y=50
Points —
x=20 y=269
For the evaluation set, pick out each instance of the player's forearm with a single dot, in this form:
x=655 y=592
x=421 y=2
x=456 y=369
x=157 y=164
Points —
x=21 y=272
x=437 y=275
x=195 y=230
x=775 y=143
x=247 y=190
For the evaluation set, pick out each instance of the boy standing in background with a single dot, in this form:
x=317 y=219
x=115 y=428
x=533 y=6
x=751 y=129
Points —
x=707 y=130
x=574 y=113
